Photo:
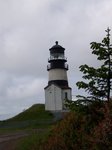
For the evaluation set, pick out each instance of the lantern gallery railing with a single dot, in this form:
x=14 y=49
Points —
x=49 y=66
x=55 y=58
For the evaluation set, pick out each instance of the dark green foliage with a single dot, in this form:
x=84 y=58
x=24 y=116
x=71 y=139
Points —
x=83 y=130
x=99 y=80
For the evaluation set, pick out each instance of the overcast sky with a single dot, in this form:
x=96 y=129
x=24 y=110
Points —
x=28 y=28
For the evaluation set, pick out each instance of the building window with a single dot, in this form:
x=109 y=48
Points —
x=66 y=95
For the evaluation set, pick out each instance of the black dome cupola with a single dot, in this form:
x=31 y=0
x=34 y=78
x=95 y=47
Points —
x=57 y=58
x=57 y=48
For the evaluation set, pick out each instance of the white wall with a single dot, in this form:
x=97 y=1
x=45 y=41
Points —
x=57 y=74
x=53 y=98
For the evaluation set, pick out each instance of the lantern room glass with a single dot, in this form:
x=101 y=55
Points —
x=57 y=56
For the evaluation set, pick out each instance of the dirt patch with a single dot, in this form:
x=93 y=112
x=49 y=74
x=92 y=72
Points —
x=9 y=145
x=9 y=141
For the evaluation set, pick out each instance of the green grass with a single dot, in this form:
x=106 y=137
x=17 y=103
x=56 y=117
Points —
x=36 y=112
x=34 y=117
x=34 y=141
x=35 y=121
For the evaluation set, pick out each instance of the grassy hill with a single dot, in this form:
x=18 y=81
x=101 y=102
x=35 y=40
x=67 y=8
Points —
x=35 y=112
x=34 y=117
x=80 y=129
x=36 y=122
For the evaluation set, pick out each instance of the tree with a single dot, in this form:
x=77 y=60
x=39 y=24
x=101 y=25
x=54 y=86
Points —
x=99 y=80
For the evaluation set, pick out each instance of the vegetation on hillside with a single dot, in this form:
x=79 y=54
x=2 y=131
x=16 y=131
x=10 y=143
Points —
x=85 y=127
x=83 y=130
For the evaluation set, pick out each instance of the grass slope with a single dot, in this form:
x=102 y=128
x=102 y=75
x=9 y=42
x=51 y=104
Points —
x=35 y=121
x=35 y=112
x=34 y=117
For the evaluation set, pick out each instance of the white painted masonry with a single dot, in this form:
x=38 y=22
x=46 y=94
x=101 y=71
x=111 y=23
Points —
x=57 y=74
x=53 y=98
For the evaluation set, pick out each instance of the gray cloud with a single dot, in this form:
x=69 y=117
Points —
x=28 y=28
x=19 y=93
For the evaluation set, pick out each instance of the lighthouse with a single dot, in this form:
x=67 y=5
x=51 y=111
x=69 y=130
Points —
x=57 y=90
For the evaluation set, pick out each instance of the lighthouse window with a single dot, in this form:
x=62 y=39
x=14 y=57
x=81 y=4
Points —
x=62 y=55
x=57 y=55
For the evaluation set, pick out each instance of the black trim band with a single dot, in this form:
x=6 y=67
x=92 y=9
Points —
x=60 y=83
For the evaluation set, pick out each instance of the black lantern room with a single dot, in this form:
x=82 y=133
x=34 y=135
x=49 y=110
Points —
x=57 y=61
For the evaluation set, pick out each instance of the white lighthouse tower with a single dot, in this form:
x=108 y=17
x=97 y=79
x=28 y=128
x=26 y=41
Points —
x=58 y=89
